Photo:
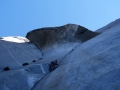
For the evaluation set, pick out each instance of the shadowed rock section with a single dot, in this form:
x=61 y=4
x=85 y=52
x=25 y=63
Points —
x=84 y=34
x=45 y=37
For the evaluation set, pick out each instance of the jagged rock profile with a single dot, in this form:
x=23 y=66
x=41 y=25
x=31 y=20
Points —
x=48 y=36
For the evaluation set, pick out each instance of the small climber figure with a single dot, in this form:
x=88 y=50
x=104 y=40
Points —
x=53 y=65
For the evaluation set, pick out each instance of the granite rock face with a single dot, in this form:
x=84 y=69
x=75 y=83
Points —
x=107 y=27
x=84 y=34
x=92 y=65
x=17 y=69
x=45 y=37
x=86 y=60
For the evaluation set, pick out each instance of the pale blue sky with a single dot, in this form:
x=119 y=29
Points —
x=17 y=17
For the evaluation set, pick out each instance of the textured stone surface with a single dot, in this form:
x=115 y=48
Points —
x=14 y=52
x=21 y=79
x=17 y=51
x=45 y=37
x=92 y=65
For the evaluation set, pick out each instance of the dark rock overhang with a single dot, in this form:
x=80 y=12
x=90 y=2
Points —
x=45 y=37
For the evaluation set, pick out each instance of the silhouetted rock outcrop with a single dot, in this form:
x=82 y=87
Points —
x=45 y=37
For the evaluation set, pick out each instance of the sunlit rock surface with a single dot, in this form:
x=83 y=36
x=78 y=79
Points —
x=86 y=60
x=17 y=51
x=93 y=65
x=107 y=27
x=18 y=68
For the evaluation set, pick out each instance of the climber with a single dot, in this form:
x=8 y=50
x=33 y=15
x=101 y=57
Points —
x=53 y=65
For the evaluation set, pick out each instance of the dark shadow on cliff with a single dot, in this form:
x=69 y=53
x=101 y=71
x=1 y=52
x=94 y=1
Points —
x=45 y=37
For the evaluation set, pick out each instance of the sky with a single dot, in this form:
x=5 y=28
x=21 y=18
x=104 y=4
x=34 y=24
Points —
x=17 y=17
